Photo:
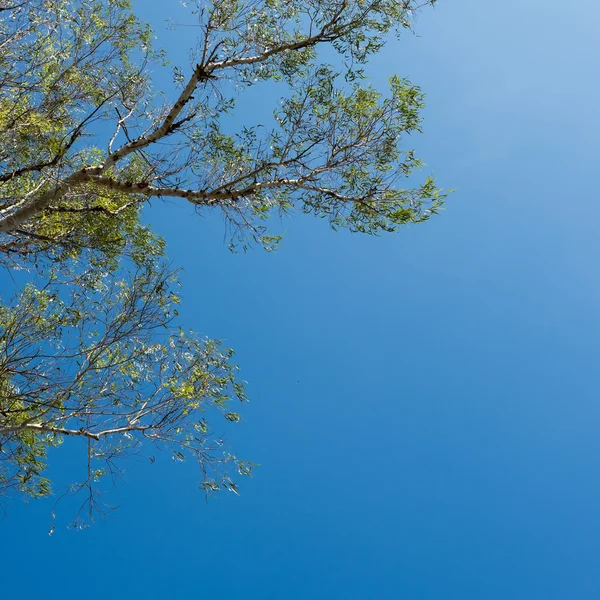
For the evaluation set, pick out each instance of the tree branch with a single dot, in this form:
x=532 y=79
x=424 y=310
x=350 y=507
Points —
x=168 y=125
x=41 y=427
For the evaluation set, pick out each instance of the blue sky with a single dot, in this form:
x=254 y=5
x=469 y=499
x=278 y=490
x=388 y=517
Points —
x=425 y=405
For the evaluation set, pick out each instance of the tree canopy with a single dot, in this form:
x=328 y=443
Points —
x=89 y=347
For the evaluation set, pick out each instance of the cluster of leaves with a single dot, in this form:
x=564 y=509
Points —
x=66 y=70
x=98 y=358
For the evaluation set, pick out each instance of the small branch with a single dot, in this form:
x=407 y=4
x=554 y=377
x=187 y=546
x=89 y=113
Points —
x=35 y=236
x=329 y=32
x=88 y=209
x=120 y=123
x=251 y=60
x=13 y=6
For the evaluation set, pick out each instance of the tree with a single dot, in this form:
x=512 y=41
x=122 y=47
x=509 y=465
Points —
x=83 y=140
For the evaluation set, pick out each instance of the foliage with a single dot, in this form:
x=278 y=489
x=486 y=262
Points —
x=86 y=143
x=98 y=358
x=336 y=147
x=65 y=68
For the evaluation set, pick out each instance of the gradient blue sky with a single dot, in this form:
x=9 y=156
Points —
x=425 y=405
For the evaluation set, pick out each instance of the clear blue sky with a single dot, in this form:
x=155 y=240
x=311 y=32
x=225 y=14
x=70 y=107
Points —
x=426 y=405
